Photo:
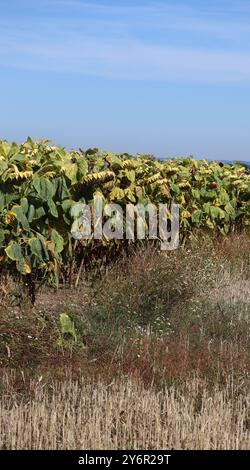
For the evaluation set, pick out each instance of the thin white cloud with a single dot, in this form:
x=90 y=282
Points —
x=131 y=60
x=151 y=42
x=174 y=15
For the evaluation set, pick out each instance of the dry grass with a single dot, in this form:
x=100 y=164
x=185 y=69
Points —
x=235 y=247
x=162 y=359
x=123 y=415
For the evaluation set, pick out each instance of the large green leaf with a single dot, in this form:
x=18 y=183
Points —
x=52 y=208
x=58 y=241
x=36 y=247
x=21 y=217
x=45 y=188
x=14 y=251
x=3 y=166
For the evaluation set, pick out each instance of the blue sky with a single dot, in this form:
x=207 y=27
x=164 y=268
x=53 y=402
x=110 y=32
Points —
x=164 y=77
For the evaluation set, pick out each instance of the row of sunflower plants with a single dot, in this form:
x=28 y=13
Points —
x=41 y=186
